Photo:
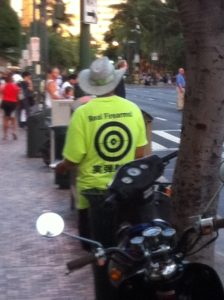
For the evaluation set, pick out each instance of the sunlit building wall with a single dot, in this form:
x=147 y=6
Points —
x=27 y=13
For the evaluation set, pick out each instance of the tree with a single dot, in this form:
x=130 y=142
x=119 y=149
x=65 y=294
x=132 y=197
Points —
x=63 y=51
x=161 y=24
x=9 y=32
x=196 y=174
x=160 y=30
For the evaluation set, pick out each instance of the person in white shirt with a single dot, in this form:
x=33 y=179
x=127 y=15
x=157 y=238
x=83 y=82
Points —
x=52 y=89
x=72 y=80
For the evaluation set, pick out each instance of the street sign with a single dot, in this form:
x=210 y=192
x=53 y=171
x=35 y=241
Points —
x=35 y=49
x=154 y=56
x=136 y=58
x=25 y=54
x=89 y=11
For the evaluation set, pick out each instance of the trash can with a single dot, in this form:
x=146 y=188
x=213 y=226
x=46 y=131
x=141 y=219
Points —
x=58 y=134
x=37 y=132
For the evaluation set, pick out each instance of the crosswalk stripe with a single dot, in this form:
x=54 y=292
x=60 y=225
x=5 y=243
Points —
x=158 y=147
x=161 y=119
x=167 y=136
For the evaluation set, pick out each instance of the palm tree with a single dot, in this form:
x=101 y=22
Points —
x=159 y=26
x=196 y=174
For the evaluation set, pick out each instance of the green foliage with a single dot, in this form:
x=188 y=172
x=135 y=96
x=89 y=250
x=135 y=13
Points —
x=63 y=51
x=10 y=34
x=160 y=31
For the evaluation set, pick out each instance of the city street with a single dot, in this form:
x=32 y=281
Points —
x=161 y=104
x=33 y=267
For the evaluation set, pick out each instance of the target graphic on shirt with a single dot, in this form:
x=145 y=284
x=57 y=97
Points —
x=113 y=141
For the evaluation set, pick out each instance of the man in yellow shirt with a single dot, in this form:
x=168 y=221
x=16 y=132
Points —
x=103 y=134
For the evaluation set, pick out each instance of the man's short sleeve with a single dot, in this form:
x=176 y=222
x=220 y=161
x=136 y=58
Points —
x=75 y=146
x=141 y=139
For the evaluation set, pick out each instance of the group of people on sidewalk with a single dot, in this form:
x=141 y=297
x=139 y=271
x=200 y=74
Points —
x=103 y=134
x=16 y=94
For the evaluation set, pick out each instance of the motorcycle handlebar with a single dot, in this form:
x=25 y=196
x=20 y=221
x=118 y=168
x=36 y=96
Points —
x=218 y=223
x=170 y=156
x=110 y=200
x=81 y=262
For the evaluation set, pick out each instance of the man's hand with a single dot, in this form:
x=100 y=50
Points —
x=61 y=168
x=64 y=167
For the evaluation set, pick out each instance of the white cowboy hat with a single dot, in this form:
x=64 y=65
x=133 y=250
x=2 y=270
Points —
x=101 y=78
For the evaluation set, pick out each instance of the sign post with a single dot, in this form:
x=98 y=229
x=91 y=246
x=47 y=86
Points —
x=88 y=12
x=35 y=49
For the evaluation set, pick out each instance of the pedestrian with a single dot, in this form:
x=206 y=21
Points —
x=16 y=77
x=9 y=93
x=181 y=83
x=27 y=100
x=70 y=82
x=52 y=88
x=103 y=134
x=69 y=93
x=120 y=88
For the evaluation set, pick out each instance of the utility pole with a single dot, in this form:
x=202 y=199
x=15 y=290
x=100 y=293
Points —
x=84 y=39
x=34 y=28
x=44 y=35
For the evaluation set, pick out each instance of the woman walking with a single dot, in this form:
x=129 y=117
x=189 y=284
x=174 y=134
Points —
x=9 y=93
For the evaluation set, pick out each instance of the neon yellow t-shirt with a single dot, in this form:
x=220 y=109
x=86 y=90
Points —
x=102 y=136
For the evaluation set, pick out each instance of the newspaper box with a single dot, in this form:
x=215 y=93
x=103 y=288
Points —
x=60 y=117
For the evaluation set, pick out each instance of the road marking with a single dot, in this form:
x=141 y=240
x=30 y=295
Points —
x=158 y=147
x=169 y=130
x=151 y=99
x=166 y=149
x=219 y=253
x=167 y=136
x=173 y=103
x=161 y=119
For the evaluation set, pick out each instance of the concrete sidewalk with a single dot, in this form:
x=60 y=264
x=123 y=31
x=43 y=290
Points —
x=32 y=267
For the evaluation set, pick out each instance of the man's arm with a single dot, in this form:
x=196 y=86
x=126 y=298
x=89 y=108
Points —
x=66 y=166
x=140 y=151
x=51 y=88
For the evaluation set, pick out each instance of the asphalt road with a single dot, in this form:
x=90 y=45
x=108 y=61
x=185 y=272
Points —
x=160 y=102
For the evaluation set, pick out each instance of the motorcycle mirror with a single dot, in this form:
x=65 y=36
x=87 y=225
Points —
x=50 y=224
x=221 y=172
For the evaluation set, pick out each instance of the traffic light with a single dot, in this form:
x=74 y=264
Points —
x=59 y=11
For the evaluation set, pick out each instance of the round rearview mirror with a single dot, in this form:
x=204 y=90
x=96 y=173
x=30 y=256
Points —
x=221 y=171
x=50 y=224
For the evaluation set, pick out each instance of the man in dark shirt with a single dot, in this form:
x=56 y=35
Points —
x=120 y=89
x=26 y=100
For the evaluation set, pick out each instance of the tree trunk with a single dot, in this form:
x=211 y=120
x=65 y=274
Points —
x=196 y=174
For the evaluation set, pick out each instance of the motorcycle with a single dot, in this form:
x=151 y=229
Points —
x=147 y=259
